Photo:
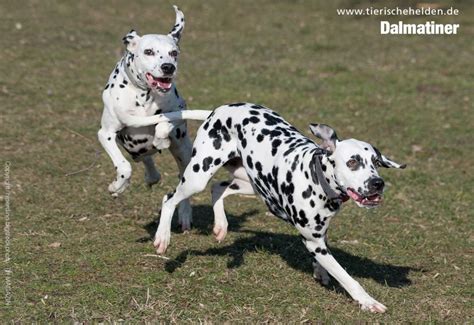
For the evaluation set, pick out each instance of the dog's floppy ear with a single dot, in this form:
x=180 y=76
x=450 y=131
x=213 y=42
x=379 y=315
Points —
x=386 y=162
x=131 y=40
x=325 y=133
x=178 y=25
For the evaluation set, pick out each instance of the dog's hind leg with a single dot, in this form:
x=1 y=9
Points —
x=191 y=183
x=152 y=175
x=199 y=171
x=239 y=185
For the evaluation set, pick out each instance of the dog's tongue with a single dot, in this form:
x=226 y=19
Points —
x=353 y=195
x=164 y=83
x=372 y=200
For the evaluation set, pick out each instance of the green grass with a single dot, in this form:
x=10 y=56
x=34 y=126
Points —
x=409 y=95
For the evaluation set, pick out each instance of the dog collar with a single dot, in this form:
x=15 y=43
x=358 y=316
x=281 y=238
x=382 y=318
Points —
x=328 y=191
x=132 y=79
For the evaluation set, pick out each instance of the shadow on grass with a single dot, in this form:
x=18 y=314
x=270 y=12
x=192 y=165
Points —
x=291 y=249
x=288 y=247
x=203 y=222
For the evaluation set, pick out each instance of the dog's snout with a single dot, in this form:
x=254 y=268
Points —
x=168 y=68
x=376 y=184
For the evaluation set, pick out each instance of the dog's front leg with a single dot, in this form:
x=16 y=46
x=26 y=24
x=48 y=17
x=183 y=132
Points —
x=181 y=148
x=161 y=139
x=220 y=191
x=321 y=254
x=124 y=169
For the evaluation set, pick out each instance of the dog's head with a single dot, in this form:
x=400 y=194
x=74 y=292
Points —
x=155 y=57
x=355 y=166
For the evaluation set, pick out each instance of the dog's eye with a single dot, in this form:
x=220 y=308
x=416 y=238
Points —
x=174 y=53
x=148 y=52
x=352 y=164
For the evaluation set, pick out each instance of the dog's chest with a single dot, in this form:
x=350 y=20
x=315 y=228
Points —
x=139 y=141
x=147 y=103
x=287 y=183
x=288 y=189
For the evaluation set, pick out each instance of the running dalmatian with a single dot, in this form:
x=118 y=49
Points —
x=300 y=182
x=141 y=85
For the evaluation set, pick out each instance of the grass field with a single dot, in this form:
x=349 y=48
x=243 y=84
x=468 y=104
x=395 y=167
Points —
x=79 y=255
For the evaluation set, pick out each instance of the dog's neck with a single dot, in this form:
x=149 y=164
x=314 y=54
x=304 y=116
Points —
x=323 y=172
x=128 y=66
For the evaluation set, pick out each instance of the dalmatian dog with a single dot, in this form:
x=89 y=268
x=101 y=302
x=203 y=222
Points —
x=300 y=181
x=141 y=85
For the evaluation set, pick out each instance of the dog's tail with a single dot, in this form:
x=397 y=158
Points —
x=139 y=121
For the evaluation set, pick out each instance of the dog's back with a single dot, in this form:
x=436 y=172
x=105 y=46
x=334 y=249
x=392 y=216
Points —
x=270 y=148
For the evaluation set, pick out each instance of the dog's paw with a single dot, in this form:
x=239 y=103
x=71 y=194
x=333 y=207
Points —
x=372 y=305
x=220 y=231
x=161 y=143
x=185 y=226
x=185 y=215
x=152 y=179
x=162 y=241
x=162 y=132
x=117 y=187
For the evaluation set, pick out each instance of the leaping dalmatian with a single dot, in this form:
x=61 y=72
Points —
x=141 y=85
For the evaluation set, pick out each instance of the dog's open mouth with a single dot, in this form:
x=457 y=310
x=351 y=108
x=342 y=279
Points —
x=367 y=201
x=161 y=83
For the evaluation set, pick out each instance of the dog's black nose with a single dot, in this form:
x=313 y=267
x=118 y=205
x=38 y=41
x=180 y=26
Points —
x=168 y=68
x=376 y=184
